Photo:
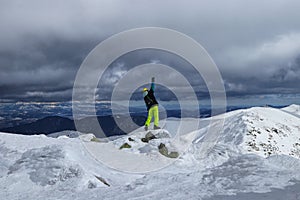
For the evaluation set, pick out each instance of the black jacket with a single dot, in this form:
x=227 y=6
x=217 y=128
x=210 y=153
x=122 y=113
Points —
x=150 y=99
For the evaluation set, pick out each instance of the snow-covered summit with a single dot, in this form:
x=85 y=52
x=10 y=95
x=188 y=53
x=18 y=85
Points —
x=257 y=150
x=263 y=130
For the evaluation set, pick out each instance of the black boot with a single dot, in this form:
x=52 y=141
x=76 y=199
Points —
x=156 y=127
x=146 y=128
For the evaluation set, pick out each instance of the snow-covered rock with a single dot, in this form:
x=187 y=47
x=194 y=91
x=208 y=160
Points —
x=31 y=163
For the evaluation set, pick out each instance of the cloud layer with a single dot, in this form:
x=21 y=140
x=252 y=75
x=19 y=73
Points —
x=255 y=44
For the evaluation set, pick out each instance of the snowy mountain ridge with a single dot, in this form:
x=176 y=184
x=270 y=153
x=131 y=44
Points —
x=257 y=150
x=263 y=131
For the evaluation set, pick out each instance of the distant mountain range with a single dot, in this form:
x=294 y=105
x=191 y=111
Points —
x=108 y=124
x=54 y=124
x=43 y=126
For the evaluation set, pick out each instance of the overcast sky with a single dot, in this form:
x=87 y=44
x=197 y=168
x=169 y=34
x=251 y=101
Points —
x=255 y=43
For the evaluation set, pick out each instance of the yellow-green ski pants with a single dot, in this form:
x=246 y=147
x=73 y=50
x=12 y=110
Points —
x=153 y=112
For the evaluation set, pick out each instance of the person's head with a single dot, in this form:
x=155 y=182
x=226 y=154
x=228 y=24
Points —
x=145 y=92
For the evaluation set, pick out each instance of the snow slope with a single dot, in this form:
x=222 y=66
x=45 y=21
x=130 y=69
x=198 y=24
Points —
x=293 y=109
x=257 y=151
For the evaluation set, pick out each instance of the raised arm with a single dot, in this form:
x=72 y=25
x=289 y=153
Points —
x=152 y=84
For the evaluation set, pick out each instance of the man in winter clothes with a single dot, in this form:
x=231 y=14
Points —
x=152 y=105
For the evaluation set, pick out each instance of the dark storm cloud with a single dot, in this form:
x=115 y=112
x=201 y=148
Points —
x=136 y=59
x=256 y=44
x=44 y=70
x=268 y=68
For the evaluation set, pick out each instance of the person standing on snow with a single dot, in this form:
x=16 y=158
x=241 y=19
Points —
x=152 y=106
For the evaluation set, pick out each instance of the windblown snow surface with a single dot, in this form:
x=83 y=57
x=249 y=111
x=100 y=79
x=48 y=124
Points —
x=293 y=109
x=256 y=157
